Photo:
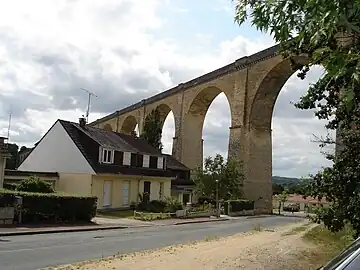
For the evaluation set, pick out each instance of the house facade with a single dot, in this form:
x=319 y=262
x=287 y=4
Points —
x=115 y=167
x=308 y=204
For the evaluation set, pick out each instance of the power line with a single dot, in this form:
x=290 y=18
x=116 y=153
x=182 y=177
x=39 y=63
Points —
x=88 y=105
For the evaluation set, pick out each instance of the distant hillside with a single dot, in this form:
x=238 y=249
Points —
x=285 y=181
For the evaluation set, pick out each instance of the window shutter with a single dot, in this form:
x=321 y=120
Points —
x=146 y=161
x=160 y=163
x=127 y=158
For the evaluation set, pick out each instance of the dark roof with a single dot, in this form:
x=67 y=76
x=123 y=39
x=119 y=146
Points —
x=87 y=140
x=173 y=163
x=29 y=173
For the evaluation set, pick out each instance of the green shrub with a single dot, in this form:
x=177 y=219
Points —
x=35 y=184
x=172 y=205
x=54 y=208
x=238 y=206
x=6 y=199
x=156 y=206
x=10 y=186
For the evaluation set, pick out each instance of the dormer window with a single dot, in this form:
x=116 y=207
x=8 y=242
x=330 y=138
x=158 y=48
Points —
x=107 y=156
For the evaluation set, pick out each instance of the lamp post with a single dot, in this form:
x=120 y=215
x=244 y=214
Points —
x=217 y=198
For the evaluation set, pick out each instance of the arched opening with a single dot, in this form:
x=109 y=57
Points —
x=168 y=128
x=216 y=127
x=295 y=153
x=108 y=127
x=129 y=125
x=289 y=132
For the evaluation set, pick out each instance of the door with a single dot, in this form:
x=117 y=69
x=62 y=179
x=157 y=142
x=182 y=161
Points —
x=126 y=193
x=186 y=198
x=107 y=194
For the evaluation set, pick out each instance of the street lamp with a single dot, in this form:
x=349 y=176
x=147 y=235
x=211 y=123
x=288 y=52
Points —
x=217 y=199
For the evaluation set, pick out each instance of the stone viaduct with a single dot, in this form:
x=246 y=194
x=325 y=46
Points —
x=251 y=85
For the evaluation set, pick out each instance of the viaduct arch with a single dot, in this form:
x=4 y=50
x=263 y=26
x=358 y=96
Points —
x=251 y=85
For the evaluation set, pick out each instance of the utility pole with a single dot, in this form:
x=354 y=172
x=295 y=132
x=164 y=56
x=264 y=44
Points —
x=217 y=199
x=88 y=105
x=9 y=125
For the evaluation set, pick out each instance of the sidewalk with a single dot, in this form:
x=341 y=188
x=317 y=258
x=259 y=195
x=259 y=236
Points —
x=101 y=224
x=29 y=230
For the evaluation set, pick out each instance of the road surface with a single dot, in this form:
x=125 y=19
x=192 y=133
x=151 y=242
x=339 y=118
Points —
x=37 y=251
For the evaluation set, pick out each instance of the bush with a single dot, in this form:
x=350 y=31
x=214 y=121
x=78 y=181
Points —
x=35 y=184
x=10 y=186
x=172 y=205
x=202 y=200
x=156 y=206
x=53 y=207
x=7 y=199
x=292 y=208
x=238 y=206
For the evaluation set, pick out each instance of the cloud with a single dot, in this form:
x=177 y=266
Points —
x=50 y=50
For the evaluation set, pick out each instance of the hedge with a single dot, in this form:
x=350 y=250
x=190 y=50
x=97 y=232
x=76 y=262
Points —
x=10 y=186
x=6 y=199
x=53 y=207
x=238 y=205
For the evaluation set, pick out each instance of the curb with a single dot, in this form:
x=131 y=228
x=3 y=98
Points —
x=29 y=232
x=200 y=221
x=262 y=216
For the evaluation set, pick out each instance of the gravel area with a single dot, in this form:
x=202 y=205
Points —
x=257 y=249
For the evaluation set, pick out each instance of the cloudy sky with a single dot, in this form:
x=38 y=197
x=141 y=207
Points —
x=126 y=50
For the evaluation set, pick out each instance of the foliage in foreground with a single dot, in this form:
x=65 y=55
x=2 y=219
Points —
x=228 y=173
x=153 y=129
x=52 y=207
x=328 y=32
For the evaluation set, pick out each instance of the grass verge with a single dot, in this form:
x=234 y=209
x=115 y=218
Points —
x=326 y=245
x=117 y=214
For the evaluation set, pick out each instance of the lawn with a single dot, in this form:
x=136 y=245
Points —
x=327 y=244
x=117 y=214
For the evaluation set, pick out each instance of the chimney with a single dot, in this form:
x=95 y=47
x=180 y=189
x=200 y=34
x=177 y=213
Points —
x=82 y=122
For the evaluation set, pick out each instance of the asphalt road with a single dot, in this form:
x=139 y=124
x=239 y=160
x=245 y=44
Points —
x=37 y=251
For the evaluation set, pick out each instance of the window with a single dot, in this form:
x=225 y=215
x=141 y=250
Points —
x=147 y=186
x=107 y=156
x=161 y=191
x=160 y=163
x=153 y=162
x=146 y=161
x=133 y=160
x=127 y=158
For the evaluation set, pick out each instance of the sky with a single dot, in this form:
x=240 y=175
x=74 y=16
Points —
x=127 y=50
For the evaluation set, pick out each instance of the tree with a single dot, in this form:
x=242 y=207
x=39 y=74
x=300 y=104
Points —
x=328 y=32
x=153 y=129
x=12 y=162
x=282 y=199
x=277 y=188
x=228 y=173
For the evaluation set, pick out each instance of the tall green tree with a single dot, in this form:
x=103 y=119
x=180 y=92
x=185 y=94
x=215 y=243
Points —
x=228 y=173
x=12 y=162
x=328 y=33
x=277 y=188
x=153 y=129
